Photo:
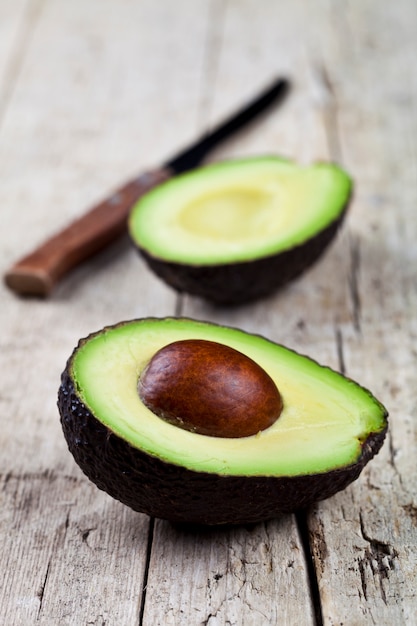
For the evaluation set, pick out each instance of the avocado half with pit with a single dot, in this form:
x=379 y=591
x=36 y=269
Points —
x=238 y=230
x=323 y=434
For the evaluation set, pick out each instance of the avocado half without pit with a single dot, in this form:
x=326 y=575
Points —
x=238 y=230
x=205 y=424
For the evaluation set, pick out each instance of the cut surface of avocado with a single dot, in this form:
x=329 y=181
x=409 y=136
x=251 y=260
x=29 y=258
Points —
x=238 y=210
x=326 y=418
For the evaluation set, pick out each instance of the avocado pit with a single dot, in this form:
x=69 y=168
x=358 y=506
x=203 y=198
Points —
x=329 y=429
x=210 y=389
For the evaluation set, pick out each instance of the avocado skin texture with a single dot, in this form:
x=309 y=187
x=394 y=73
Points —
x=237 y=283
x=149 y=485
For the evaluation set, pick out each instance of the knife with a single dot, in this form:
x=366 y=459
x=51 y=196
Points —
x=37 y=273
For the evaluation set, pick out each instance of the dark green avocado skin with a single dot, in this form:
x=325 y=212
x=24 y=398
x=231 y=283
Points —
x=238 y=283
x=149 y=485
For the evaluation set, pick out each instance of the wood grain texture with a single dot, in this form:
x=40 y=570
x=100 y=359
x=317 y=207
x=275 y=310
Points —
x=91 y=93
x=67 y=566
x=373 y=524
x=254 y=575
x=38 y=272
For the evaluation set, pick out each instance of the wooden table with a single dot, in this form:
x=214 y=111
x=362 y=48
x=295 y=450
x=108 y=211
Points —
x=92 y=93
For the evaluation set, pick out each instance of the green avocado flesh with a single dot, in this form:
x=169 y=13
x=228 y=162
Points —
x=238 y=210
x=324 y=423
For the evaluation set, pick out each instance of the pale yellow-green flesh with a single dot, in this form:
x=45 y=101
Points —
x=324 y=420
x=238 y=210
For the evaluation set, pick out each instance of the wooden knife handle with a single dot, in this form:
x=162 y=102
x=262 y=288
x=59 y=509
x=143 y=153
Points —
x=38 y=272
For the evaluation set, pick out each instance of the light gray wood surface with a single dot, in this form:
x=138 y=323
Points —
x=94 y=92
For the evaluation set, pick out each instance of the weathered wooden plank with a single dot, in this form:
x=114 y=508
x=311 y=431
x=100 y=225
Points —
x=72 y=555
x=251 y=576
x=364 y=539
x=81 y=118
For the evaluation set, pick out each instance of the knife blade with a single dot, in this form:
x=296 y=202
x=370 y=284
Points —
x=37 y=273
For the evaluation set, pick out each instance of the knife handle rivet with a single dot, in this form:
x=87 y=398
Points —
x=115 y=199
